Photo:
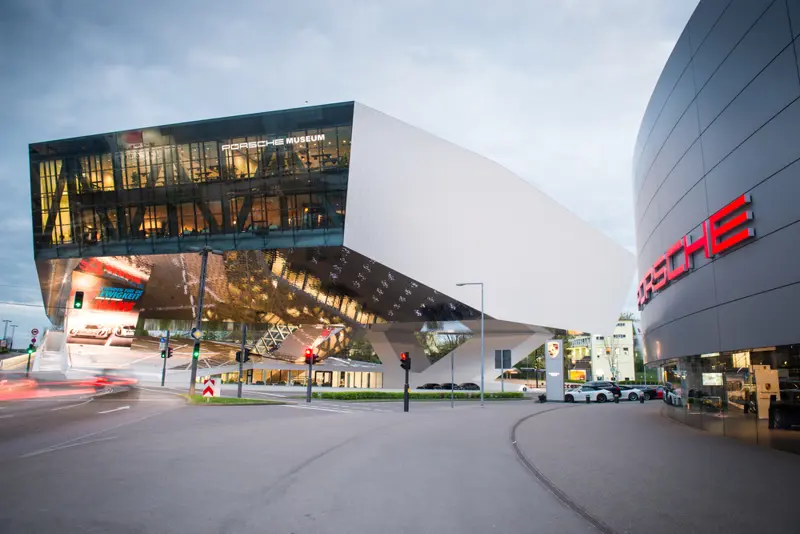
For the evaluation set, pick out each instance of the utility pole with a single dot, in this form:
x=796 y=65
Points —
x=241 y=361
x=502 y=371
x=452 y=378
x=5 y=329
x=310 y=361
x=200 y=293
x=483 y=350
x=165 y=355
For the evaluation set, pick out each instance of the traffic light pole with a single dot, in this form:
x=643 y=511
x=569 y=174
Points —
x=166 y=356
x=241 y=361
x=405 y=393
x=308 y=378
x=28 y=366
x=200 y=293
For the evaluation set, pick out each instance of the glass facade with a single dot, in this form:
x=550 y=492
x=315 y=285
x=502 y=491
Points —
x=272 y=180
x=323 y=378
x=752 y=395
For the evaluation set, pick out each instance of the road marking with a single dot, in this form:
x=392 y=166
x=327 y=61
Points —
x=71 y=406
x=6 y=416
x=69 y=441
x=66 y=446
x=318 y=408
x=358 y=408
x=115 y=409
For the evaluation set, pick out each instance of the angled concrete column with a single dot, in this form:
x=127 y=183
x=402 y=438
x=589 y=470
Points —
x=521 y=340
x=388 y=344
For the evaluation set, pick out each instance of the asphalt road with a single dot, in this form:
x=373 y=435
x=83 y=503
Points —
x=153 y=464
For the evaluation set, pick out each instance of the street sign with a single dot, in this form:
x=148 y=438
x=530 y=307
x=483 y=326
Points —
x=35 y=332
x=209 y=387
x=197 y=334
x=163 y=340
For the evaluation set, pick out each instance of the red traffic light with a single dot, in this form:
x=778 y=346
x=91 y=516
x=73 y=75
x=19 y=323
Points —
x=309 y=352
x=404 y=356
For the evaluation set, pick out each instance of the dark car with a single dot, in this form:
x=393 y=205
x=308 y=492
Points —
x=470 y=386
x=449 y=386
x=785 y=413
x=429 y=385
x=606 y=384
x=649 y=391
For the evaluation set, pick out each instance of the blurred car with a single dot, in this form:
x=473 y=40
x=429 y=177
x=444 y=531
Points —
x=630 y=393
x=605 y=384
x=90 y=330
x=450 y=386
x=429 y=385
x=115 y=378
x=469 y=386
x=125 y=330
x=595 y=394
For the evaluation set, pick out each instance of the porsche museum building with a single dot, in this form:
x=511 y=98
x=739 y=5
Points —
x=716 y=184
x=336 y=227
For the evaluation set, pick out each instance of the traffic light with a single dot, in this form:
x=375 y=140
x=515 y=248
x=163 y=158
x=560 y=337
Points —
x=78 y=302
x=163 y=354
x=31 y=349
x=309 y=356
x=196 y=350
x=405 y=360
x=246 y=355
x=169 y=352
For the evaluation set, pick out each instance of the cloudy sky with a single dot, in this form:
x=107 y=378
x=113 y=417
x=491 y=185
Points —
x=552 y=89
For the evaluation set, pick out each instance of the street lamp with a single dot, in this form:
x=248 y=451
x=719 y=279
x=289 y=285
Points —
x=203 y=251
x=483 y=355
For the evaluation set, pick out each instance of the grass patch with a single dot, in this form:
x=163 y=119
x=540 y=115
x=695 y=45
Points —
x=414 y=395
x=200 y=400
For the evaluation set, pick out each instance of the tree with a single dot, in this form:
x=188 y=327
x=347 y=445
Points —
x=628 y=316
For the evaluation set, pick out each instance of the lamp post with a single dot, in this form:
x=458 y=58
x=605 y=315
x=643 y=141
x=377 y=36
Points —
x=483 y=355
x=203 y=251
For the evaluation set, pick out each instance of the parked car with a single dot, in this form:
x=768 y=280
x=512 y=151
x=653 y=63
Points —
x=671 y=396
x=90 y=330
x=469 y=386
x=605 y=384
x=125 y=330
x=630 y=393
x=596 y=394
x=450 y=386
x=651 y=391
x=429 y=385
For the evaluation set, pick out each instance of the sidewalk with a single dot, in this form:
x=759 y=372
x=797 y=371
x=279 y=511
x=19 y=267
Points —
x=637 y=471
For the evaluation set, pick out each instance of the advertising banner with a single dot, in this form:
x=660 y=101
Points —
x=112 y=294
x=554 y=368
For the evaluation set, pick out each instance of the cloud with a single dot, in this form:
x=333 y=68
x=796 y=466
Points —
x=552 y=89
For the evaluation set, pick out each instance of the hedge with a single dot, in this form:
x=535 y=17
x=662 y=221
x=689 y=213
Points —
x=397 y=395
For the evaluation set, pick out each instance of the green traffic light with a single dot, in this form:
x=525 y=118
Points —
x=77 y=304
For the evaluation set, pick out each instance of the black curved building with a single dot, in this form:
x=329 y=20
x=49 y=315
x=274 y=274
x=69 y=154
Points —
x=717 y=199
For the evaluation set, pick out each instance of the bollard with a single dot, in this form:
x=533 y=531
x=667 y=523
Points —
x=616 y=399
x=588 y=399
x=641 y=399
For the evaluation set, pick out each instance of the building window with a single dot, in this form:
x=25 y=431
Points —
x=502 y=359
